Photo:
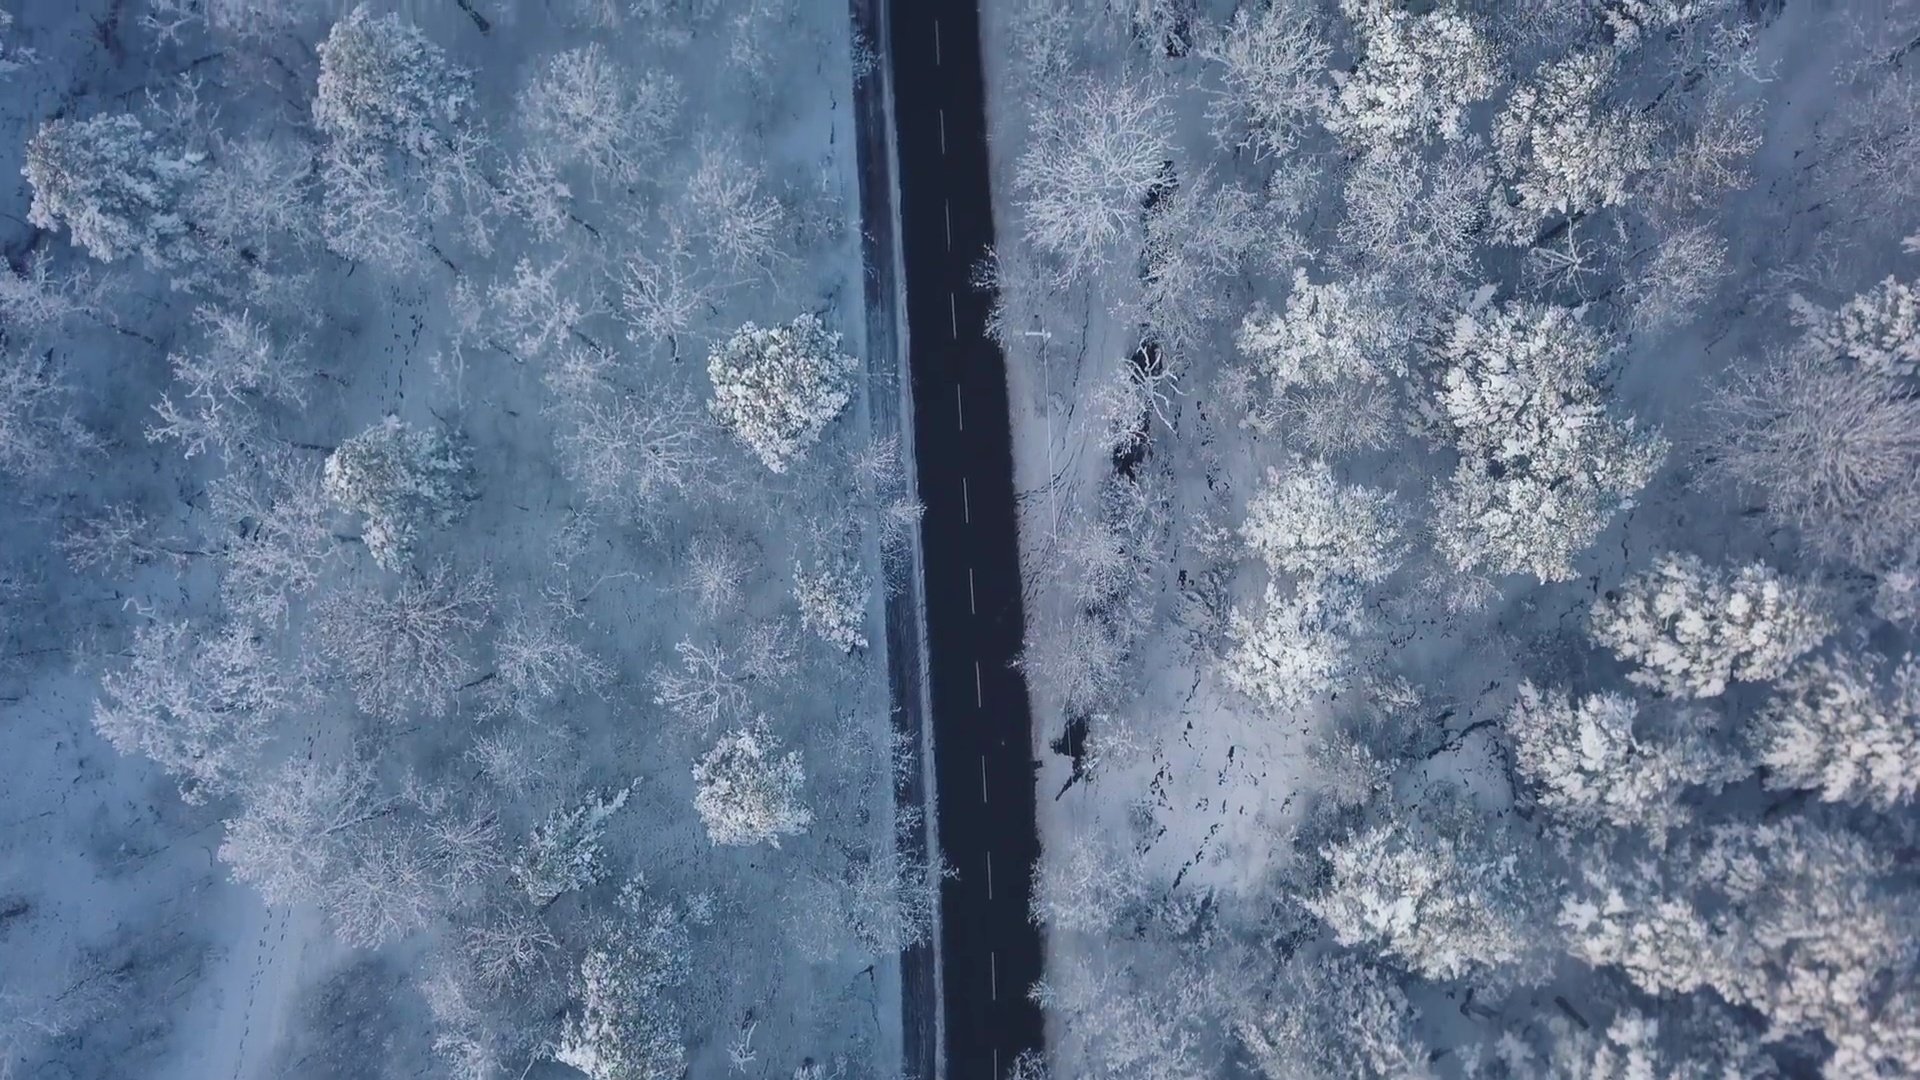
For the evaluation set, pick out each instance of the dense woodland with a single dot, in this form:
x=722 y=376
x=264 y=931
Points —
x=444 y=507
x=1470 y=454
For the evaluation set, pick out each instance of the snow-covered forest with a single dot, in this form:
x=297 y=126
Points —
x=445 y=527
x=1470 y=473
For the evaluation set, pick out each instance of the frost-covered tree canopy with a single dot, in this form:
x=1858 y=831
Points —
x=383 y=82
x=1543 y=465
x=748 y=792
x=1562 y=151
x=1846 y=726
x=833 y=605
x=110 y=183
x=200 y=701
x=1338 y=1016
x=1723 y=916
x=777 y=389
x=1437 y=894
x=1417 y=74
x=628 y=1024
x=1590 y=766
x=563 y=854
x=1305 y=522
x=398 y=480
x=1689 y=628
x=1098 y=148
x=1296 y=647
x=1327 y=334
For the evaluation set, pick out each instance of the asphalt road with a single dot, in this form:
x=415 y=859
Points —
x=983 y=757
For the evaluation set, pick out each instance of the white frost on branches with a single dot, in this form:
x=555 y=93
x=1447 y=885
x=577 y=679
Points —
x=1562 y=151
x=397 y=480
x=628 y=1025
x=833 y=605
x=582 y=106
x=1417 y=76
x=747 y=791
x=1305 y=522
x=1338 y=1016
x=1444 y=896
x=1299 y=647
x=1841 y=728
x=777 y=389
x=563 y=854
x=1097 y=148
x=403 y=649
x=200 y=702
x=110 y=185
x=1689 y=628
x=1590 y=767
x=1543 y=466
x=1326 y=334
x=1877 y=331
x=1797 y=920
x=383 y=82
x=1274 y=69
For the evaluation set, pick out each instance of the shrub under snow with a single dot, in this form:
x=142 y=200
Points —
x=398 y=479
x=833 y=605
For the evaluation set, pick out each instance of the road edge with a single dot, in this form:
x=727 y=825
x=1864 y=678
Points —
x=890 y=414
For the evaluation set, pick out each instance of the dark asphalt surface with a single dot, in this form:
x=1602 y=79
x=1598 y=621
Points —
x=983 y=758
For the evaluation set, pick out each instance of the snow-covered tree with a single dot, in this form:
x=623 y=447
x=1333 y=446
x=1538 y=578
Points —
x=237 y=367
x=1589 y=766
x=1417 y=76
x=398 y=480
x=1543 y=466
x=535 y=661
x=534 y=309
x=1327 y=334
x=1273 y=71
x=382 y=82
x=200 y=702
x=1440 y=893
x=747 y=791
x=1684 y=271
x=1796 y=919
x=631 y=451
x=777 y=389
x=1690 y=1041
x=1416 y=219
x=1097 y=148
x=299 y=825
x=1337 y=1016
x=628 y=1026
x=1841 y=727
x=278 y=539
x=108 y=181
x=726 y=213
x=402 y=648
x=1690 y=628
x=1089 y=887
x=255 y=191
x=1299 y=647
x=1197 y=235
x=582 y=107
x=1877 y=331
x=37 y=426
x=1305 y=522
x=833 y=604
x=1835 y=449
x=563 y=854
x=1562 y=151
